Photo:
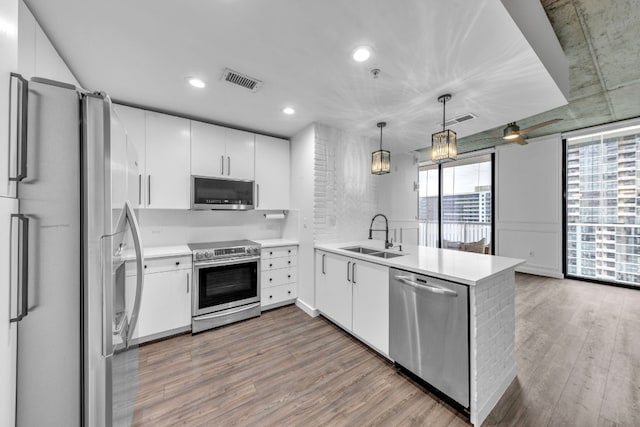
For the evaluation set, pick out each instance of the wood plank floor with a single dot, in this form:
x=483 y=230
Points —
x=578 y=356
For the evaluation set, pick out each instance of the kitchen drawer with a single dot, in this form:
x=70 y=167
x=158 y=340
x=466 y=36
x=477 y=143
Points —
x=159 y=265
x=278 y=277
x=276 y=263
x=278 y=294
x=283 y=251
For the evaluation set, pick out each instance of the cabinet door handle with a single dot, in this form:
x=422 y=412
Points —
x=188 y=282
x=228 y=165
x=257 y=195
x=353 y=273
x=149 y=180
x=348 y=268
x=323 y=257
x=139 y=189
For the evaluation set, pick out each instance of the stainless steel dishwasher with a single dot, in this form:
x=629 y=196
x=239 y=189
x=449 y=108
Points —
x=429 y=331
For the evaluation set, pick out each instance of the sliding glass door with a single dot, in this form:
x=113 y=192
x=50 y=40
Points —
x=603 y=207
x=456 y=205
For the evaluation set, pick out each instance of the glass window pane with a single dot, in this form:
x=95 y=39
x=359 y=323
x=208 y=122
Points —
x=428 y=193
x=603 y=197
x=466 y=204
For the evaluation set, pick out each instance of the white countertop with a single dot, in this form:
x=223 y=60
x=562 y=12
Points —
x=274 y=243
x=457 y=266
x=159 y=252
x=181 y=250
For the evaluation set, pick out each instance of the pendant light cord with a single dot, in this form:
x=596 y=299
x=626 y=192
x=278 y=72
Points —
x=380 y=138
x=444 y=109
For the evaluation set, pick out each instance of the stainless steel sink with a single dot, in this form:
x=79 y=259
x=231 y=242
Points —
x=386 y=255
x=361 y=250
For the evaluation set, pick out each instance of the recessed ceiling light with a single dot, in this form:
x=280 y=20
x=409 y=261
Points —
x=361 y=53
x=288 y=110
x=195 y=82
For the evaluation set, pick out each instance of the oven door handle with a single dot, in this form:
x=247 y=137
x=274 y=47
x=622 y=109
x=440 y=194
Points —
x=228 y=312
x=230 y=261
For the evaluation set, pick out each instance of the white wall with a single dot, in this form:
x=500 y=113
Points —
x=345 y=191
x=397 y=198
x=529 y=204
x=37 y=57
x=302 y=187
x=178 y=227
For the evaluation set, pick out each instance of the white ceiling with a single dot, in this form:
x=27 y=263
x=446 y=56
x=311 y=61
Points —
x=141 y=51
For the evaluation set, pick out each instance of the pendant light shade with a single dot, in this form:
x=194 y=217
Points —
x=444 y=146
x=380 y=159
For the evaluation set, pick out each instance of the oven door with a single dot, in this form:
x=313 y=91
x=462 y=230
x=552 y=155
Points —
x=220 y=285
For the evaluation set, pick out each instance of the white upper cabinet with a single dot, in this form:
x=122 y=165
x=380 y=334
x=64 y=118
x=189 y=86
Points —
x=132 y=120
x=217 y=151
x=167 y=161
x=208 y=155
x=272 y=173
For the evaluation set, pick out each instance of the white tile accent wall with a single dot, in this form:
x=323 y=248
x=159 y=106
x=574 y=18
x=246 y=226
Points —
x=345 y=192
x=492 y=334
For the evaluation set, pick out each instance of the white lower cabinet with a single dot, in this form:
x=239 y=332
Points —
x=166 y=297
x=355 y=295
x=278 y=277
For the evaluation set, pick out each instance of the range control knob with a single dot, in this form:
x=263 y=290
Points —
x=208 y=254
x=198 y=256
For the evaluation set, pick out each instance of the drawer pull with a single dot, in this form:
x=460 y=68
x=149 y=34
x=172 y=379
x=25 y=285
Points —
x=270 y=265
x=289 y=250
x=288 y=276
x=288 y=262
x=177 y=262
x=145 y=266
x=289 y=292
x=270 y=296
x=270 y=253
x=270 y=279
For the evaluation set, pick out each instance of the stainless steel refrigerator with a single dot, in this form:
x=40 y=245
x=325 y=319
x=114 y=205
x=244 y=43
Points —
x=77 y=179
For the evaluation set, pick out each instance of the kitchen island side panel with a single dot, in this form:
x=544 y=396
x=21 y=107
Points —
x=492 y=335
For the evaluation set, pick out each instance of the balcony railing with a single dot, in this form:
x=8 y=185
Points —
x=453 y=231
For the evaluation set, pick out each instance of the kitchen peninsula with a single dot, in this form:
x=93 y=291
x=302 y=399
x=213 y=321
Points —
x=366 y=309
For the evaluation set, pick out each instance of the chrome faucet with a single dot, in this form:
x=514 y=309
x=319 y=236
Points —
x=387 y=243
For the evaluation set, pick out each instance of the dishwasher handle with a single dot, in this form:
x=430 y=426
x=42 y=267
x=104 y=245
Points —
x=429 y=288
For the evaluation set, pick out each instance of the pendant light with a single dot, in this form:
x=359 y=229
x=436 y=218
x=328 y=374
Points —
x=381 y=159
x=444 y=146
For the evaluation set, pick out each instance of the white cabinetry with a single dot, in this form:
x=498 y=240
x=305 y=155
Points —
x=167 y=161
x=132 y=120
x=355 y=295
x=278 y=276
x=272 y=176
x=217 y=151
x=166 y=297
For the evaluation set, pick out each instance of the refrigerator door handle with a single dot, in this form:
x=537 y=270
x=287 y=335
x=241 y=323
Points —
x=107 y=299
x=21 y=141
x=137 y=243
x=23 y=260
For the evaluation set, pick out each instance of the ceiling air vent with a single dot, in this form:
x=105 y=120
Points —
x=459 y=119
x=241 y=80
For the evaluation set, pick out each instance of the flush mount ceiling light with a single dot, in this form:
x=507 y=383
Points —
x=381 y=159
x=196 y=82
x=444 y=146
x=361 y=53
x=288 y=110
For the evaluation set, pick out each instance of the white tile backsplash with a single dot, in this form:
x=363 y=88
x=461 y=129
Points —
x=176 y=227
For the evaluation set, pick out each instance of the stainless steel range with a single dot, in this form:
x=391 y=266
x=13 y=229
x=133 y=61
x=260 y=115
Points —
x=226 y=283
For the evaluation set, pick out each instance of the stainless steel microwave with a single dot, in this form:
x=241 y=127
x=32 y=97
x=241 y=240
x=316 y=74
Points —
x=210 y=193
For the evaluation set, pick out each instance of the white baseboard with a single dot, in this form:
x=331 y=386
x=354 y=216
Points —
x=478 y=417
x=313 y=312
